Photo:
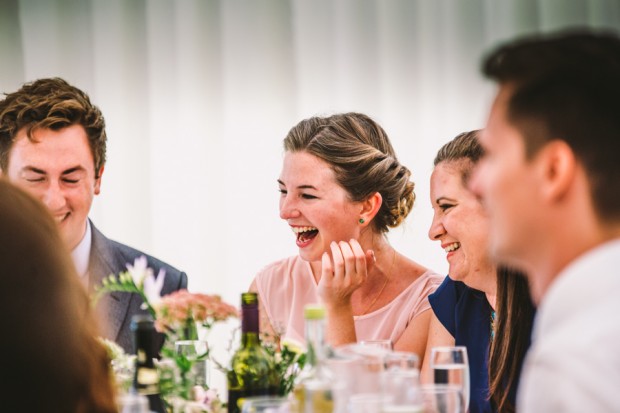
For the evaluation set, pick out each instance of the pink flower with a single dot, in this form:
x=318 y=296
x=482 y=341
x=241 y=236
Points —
x=176 y=310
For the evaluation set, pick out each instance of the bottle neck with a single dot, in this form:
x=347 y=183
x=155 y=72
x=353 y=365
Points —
x=249 y=325
x=315 y=340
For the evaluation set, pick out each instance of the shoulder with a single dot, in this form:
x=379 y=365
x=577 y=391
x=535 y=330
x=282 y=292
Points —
x=281 y=269
x=120 y=254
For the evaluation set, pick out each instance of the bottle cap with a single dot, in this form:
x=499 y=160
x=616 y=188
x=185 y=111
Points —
x=314 y=312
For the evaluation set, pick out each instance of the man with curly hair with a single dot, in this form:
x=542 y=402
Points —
x=53 y=145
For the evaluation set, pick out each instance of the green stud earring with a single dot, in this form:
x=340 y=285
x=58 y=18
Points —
x=361 y=221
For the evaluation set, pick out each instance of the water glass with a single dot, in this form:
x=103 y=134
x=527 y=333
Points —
x=366 y=403
x=451 y=367
x=401 y=360
x=195 y=352
x=401 y=390
x=442 y=398
x=132 y=403
x=384 y=344
x=265 y=404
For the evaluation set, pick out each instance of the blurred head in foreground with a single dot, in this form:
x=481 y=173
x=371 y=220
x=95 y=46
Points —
x=51 y=359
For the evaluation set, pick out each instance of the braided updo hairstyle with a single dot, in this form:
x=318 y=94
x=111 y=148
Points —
x=363 y=160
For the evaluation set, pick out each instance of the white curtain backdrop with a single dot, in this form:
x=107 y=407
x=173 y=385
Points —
x=198 y=95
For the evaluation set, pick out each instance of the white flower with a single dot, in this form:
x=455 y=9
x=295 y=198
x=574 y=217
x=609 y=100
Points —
x=152 y=287
x=139 y=271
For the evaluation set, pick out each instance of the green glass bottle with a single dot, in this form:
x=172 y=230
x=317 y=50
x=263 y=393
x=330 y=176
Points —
x=313 y=387
x=146 y=377
x=252 y=371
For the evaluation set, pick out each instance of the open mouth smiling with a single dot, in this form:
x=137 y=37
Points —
x=305 y=234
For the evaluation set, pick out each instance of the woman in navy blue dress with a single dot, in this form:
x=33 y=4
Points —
x=480 y=306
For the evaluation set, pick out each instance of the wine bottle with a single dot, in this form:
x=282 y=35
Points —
x=252 y=371
x=313 y=387
x=146 y=378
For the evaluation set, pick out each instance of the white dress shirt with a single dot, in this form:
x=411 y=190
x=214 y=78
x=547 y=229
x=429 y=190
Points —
x=81 y=255
x=574 y=362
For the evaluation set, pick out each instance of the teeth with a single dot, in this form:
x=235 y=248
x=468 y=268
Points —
x=60 y=218
x=298 y=230
x=452 y=247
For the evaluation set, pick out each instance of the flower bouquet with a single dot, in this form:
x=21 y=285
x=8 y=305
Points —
x=185 y=318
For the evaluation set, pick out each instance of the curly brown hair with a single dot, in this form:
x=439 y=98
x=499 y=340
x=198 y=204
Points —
x=362 y=157
x=50 y=104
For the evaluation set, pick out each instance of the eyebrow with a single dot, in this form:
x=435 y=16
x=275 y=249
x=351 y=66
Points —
x=443 y=198
x=300 y=186
x=72 y=170
x=42 y=172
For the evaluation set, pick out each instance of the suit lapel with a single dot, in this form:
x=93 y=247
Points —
x=105 y=260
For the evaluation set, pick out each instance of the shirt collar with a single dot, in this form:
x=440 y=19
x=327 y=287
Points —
x=581 y=284
x=81 y=254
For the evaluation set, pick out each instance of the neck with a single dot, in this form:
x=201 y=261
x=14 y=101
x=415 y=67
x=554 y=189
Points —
x=543 y=271
x=484 y=279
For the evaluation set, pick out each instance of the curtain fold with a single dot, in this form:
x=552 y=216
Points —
x=198 y=95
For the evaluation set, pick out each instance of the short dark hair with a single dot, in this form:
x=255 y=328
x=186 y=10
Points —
x=50 y=104
x=567 y=86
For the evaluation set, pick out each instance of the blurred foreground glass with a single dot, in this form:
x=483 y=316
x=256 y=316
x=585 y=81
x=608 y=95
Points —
x=401 y=391
x=195 y=353
x=367 y=365
x=366 y=403
x=384 y=344
x=442 y=398
x=451 y=367
x=265 y=404
x=132 y=403
x=401 y=360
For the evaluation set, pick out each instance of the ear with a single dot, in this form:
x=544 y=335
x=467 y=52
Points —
x=98 y=181
x=558 y=170
x=370 y=207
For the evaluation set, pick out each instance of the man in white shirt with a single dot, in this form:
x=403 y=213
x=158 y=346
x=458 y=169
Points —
x=550 y=179
x=53 y=145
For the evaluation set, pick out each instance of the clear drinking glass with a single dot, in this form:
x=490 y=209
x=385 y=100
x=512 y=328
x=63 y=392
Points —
x=266 y=404
x=401 y=360
x=366 y=403
x=384 y=344
x=451 y=367
x=442 y=398
x=195 y=352
x=401 y=390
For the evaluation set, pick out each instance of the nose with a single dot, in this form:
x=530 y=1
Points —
x=54 y=197
x=436 y=231
x=288 y=207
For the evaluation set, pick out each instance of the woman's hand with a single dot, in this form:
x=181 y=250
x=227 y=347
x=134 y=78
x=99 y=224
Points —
x=343 y=273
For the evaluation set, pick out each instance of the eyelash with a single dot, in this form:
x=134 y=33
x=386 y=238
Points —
x=304 y=196
x=444 y=207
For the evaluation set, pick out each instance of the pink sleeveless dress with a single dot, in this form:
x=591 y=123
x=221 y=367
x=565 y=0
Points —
x=286 y=286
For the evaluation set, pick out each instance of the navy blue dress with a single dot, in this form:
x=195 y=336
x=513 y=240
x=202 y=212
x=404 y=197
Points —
x=466 y=314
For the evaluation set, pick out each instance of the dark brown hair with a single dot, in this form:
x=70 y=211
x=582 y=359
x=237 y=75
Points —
x=514 y=307
x=50 y=104
x=362 y=158
x=566 y=87
x=52 y=360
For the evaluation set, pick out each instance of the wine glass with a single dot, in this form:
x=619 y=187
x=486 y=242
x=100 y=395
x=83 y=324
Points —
x=451 y=367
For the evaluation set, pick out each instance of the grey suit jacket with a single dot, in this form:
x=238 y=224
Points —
x=115 y=309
